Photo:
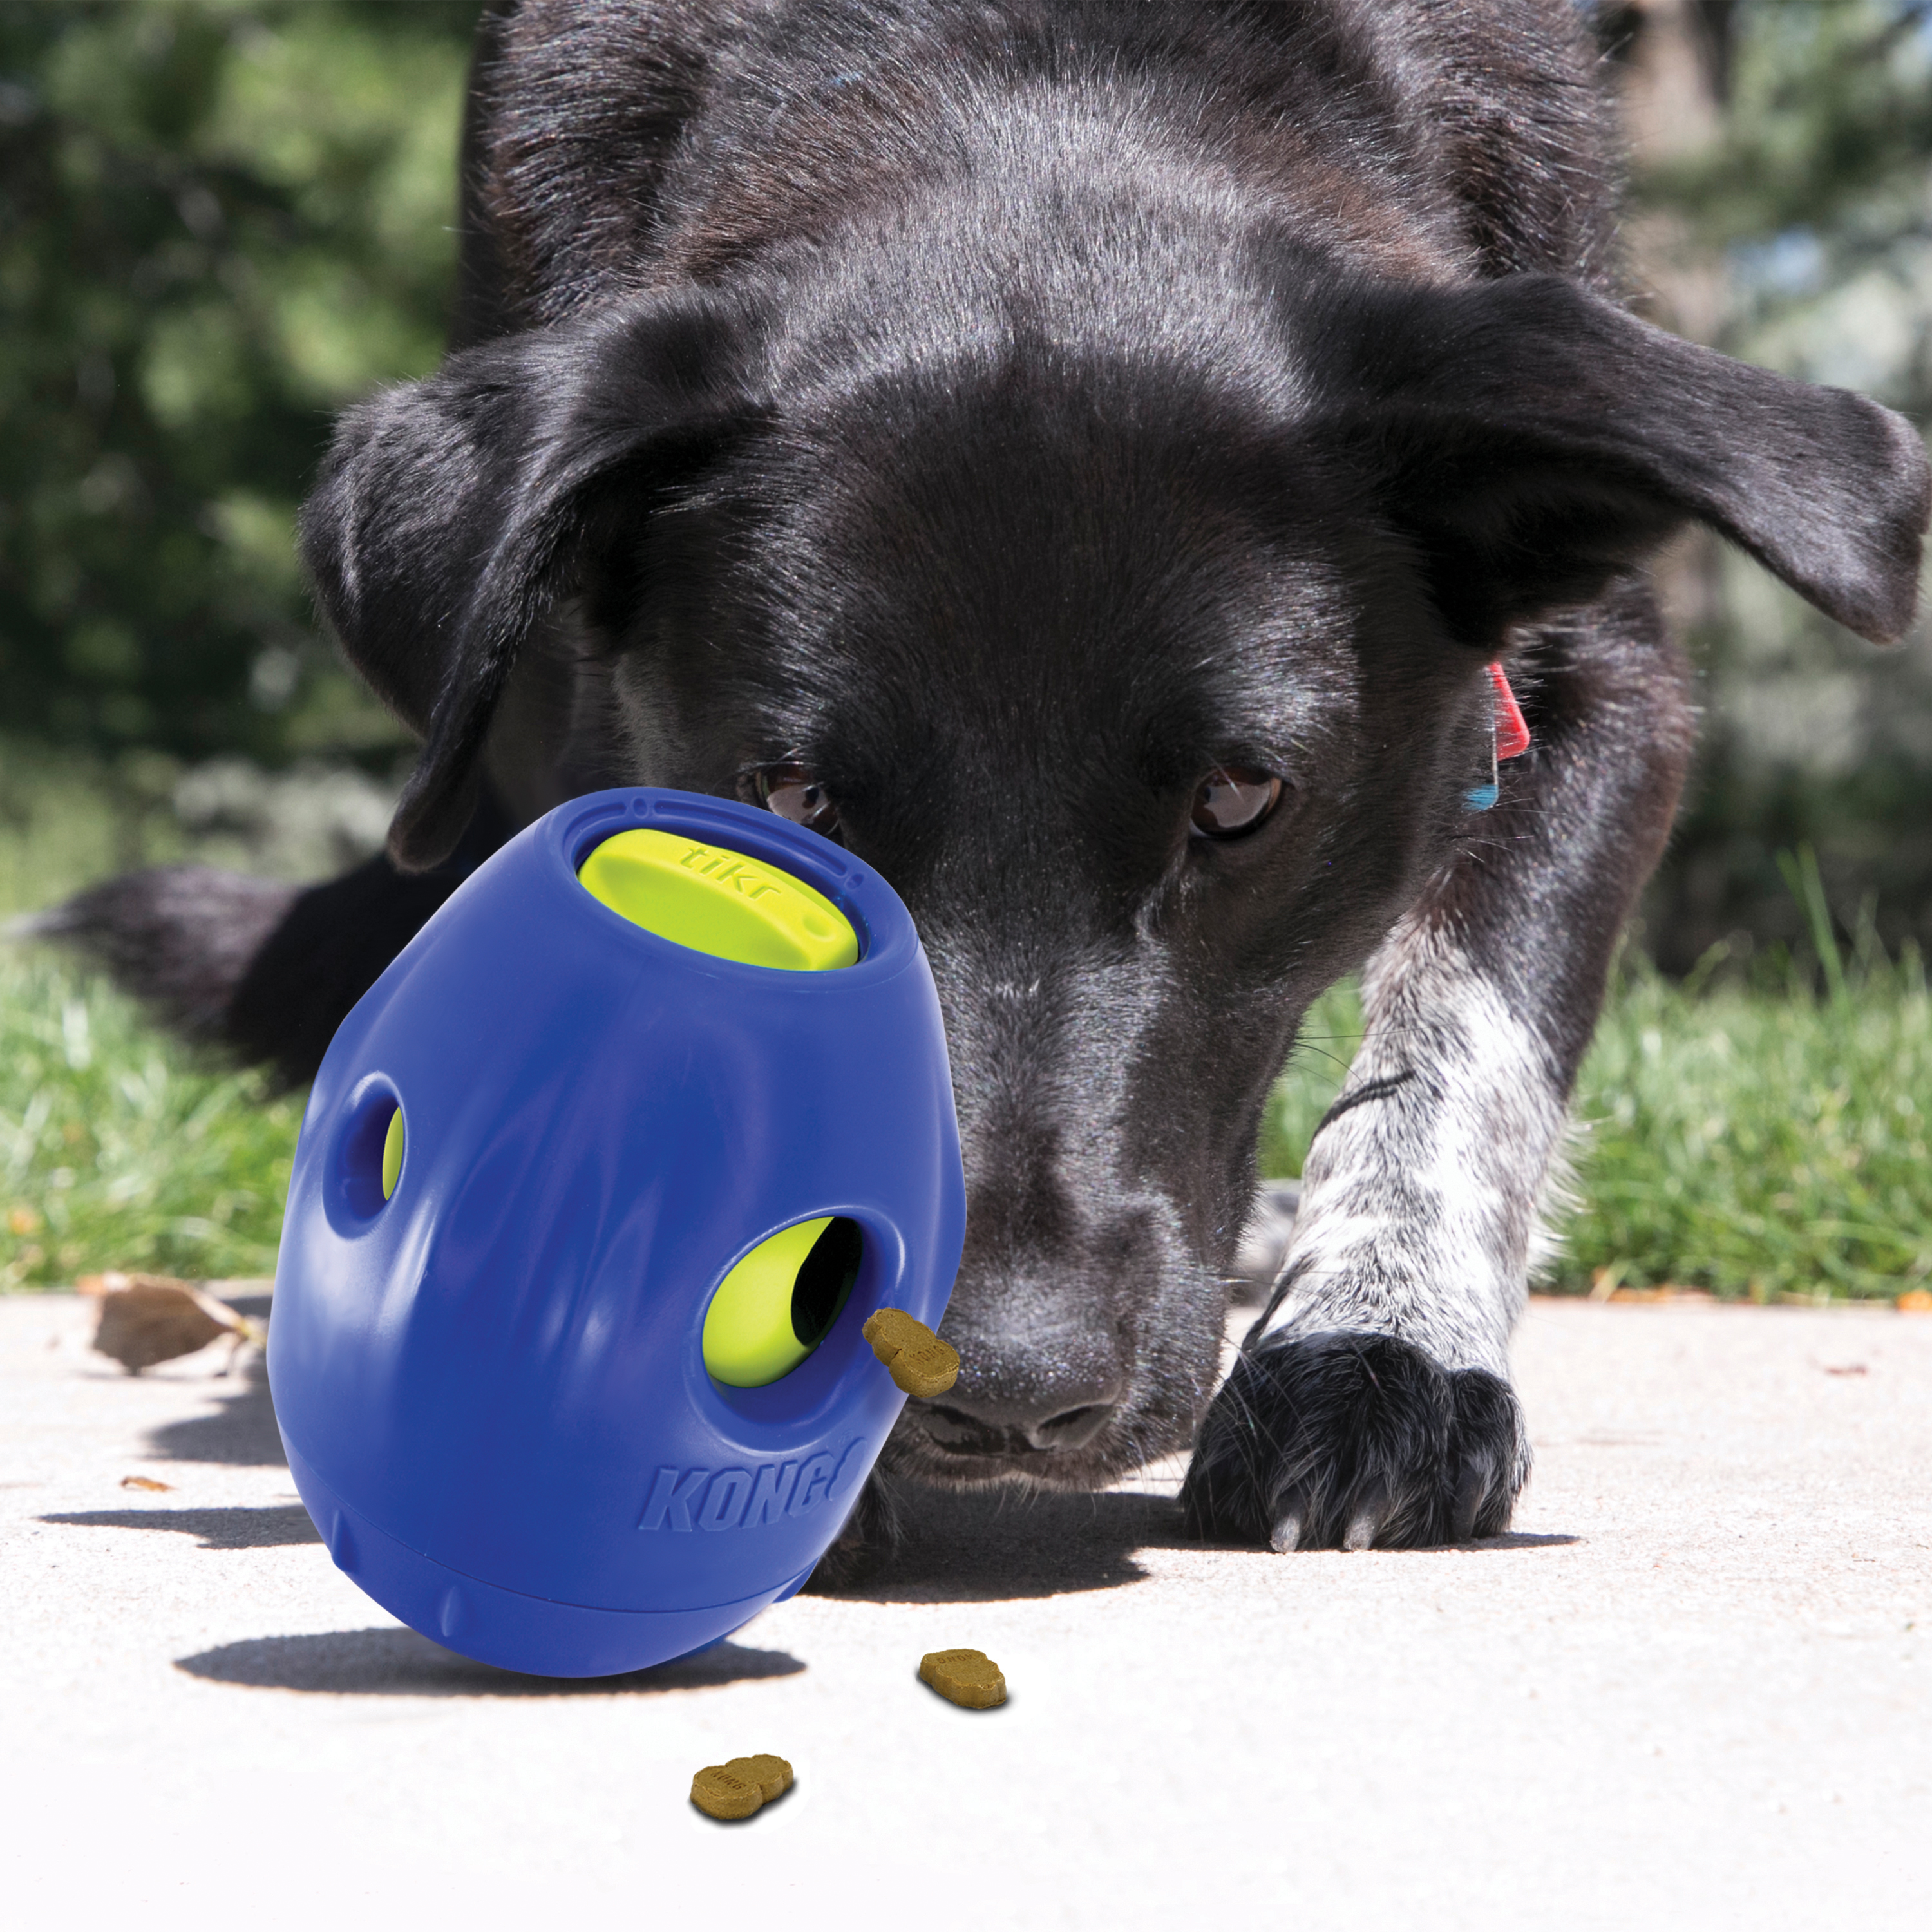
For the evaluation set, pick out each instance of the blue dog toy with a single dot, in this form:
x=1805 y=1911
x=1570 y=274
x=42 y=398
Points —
x=597 y=1185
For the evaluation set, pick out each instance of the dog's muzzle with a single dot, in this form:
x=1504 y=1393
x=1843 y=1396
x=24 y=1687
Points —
x=1022 y=1404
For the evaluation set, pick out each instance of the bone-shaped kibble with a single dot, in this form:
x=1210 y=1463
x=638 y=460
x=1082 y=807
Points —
x=920 y=1363
x=737 y=1789
x=967 y=1677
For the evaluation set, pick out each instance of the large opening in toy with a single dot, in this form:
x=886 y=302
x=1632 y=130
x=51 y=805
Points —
x=780 y=1300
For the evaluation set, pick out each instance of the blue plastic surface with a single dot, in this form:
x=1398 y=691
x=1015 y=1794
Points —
x=491 y=1386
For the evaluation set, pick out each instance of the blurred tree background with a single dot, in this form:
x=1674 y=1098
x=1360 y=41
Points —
x=1781 y=210
x=221 y=220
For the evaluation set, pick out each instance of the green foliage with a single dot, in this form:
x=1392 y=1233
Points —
x=1810 y=211
x=119 y=1149
x=1817 y=189
x=219 y=220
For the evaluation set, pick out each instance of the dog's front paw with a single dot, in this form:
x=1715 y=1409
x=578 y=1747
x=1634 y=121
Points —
x=1356 y=1441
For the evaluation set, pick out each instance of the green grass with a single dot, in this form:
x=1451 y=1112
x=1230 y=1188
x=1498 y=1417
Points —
x=121 y=1148
x=1752 y=1140
x=1758 y=1144
x=1756 y=1135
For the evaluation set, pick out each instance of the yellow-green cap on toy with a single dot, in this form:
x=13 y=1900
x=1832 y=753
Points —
x=719 y=901
x=777 y=1304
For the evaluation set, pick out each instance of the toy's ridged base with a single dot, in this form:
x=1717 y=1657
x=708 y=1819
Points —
x=505 y=1628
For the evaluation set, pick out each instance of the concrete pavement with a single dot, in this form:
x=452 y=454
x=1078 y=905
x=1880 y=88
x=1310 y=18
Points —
x=1694 y=1687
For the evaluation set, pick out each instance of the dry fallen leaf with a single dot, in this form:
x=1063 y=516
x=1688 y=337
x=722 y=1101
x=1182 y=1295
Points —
x=1915 y=1301
x=143 y=1483
x=146 y=1318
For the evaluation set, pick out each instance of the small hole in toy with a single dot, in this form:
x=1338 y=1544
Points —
x=393 y=1137
x=371 y=1155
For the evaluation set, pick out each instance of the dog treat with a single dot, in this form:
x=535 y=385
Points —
x=920 y=1363
x=737 y=1789
x=719 y=1793
x=967 y=1677
x=772 y=1775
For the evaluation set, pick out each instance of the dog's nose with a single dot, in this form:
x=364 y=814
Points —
x=1003 y=1407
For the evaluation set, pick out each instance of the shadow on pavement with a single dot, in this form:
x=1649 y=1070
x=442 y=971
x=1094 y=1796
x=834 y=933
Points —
x=1517 y=1539
x=242 y=1432
x=398 y=1662
x=981 y=1546
x=233 y=1528
x=1511 y=1539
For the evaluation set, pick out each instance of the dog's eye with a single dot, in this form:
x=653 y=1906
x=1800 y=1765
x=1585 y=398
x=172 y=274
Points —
x=1233 y=799
x=793 y=792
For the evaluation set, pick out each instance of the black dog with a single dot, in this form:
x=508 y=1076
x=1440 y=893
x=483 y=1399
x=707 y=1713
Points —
x=1083 y=454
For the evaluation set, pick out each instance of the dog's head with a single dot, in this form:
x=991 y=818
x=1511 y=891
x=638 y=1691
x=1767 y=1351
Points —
x=1146 y=662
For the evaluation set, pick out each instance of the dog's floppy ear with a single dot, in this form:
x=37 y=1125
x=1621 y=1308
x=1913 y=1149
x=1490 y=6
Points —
x=448 y=512
x=1533 y=439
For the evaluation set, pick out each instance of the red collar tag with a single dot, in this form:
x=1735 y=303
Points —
x=1512 y=732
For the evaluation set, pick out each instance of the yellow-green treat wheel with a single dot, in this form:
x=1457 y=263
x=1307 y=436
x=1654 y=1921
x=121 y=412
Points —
x=777 y=1304
x=392 y=1154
